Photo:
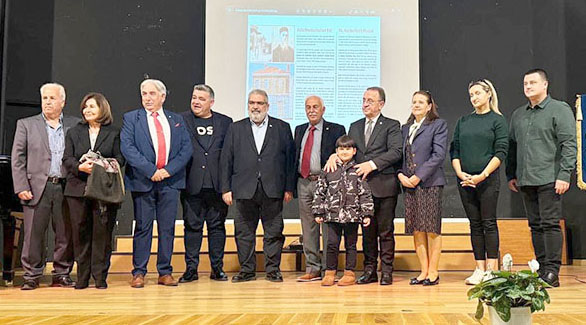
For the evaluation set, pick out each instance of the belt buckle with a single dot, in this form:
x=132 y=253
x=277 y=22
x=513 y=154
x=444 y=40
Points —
x=54 y=180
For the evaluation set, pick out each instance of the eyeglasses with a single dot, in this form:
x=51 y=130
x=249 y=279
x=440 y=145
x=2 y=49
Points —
x=252 y=103
x=370 y=101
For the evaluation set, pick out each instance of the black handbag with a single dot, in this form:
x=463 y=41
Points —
x=104 y=186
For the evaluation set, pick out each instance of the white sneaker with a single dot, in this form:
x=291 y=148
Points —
x=476 y=277
x=487 y=276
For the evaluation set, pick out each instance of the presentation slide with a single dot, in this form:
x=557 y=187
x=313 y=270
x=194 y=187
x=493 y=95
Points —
x=293 y=50
x=292 y=57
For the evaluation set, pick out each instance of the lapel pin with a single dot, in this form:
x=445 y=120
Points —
x=327 y=129
x=270 y=125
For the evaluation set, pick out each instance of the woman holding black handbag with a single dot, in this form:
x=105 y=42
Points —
x=92 y=222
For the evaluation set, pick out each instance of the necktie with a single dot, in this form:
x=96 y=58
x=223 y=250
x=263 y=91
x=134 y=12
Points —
x=305 y=161
x=162 y=152
x=368 y=132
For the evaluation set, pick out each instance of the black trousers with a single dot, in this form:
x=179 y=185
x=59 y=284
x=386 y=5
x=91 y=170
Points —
x=480 y=205
x=544 y=211
x=205 y=207
x=335 y=231
x=380 y=232
x=270 y=212
x=92 y=237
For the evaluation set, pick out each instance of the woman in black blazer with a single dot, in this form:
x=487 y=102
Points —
x=92 y=229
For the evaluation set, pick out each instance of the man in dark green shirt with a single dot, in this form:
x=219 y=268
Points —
x=542 y=155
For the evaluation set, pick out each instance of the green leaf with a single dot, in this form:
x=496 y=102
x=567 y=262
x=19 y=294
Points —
x=502 y=274
x=503 y=310
x=479 y=310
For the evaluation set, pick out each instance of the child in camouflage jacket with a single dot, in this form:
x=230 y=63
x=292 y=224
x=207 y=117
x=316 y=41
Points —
x=342 y=201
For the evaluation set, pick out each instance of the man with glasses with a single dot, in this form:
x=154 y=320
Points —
x=378 y=156
x=257 y=173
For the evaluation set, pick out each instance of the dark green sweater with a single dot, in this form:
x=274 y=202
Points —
x=478 y=138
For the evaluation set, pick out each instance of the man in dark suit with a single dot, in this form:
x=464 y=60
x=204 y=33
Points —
x=315 y=141
x=157 y=147
x=202 y=199
x=257 y=171
x=378 y=156
x=39 y=178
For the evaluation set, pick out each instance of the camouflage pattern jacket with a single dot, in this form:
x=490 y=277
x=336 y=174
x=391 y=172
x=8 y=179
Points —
x=342 y=196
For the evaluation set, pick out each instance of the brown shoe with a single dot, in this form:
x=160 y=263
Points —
x=309 y=277
x=328 y=279
x=348 y=279
x=137 y=281
x=167 y=280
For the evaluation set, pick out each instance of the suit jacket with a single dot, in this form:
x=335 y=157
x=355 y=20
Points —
x=205 y=156
x=241 y=164
x=428 y=150
x=77 y=143
x=384 y=148
x=31 y=155
x=137 y=147
x=331 y=132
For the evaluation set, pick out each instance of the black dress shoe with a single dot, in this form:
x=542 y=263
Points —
x=368 y=276
x=428 y=282
x=29 y=285
x=81 y=285
x=101 y=284
x=274 y=276
x=386 y=279
x=218 y=275
x=551 y=279
x=415 y=281
x=63 y=281
x=188 y=276
x=243 y=277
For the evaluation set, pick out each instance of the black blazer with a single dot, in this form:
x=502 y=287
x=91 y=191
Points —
x=241 y=164
x=205 y=157
x=385 y=149
x=77 y=143
x=331 y=132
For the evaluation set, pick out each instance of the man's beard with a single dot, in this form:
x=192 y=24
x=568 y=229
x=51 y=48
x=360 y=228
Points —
x=257 y=116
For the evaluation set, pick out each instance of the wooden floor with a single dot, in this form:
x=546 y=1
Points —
x=263 y=302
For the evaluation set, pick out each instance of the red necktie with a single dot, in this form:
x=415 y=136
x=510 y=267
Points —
x=306 y=160
x=162 y=153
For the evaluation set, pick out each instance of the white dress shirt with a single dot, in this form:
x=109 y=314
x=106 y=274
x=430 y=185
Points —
x=414 y=128
x=166 y=131
x=259 y=132
x=374 y=120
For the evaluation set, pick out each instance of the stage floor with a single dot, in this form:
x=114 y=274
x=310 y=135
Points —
x=262 y=302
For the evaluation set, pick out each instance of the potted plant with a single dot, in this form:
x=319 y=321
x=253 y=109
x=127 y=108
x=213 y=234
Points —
x=524 y=292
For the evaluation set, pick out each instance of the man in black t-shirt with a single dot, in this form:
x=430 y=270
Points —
x=202 y=200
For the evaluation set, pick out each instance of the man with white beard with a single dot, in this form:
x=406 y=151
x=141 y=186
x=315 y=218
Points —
x=257 y=173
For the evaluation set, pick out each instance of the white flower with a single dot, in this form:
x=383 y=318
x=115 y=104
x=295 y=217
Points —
x=533 y=265
x=507 y=262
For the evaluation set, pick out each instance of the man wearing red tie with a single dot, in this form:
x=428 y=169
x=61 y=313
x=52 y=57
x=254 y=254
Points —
x=315 y=141
x=157 y=147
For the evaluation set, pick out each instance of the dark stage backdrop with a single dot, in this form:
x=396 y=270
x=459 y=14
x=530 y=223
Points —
x=110 y=46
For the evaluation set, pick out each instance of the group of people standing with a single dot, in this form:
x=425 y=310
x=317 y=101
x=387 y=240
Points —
x=208 y=162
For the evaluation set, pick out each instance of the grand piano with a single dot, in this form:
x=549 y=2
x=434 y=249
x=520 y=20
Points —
x=8 y=203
